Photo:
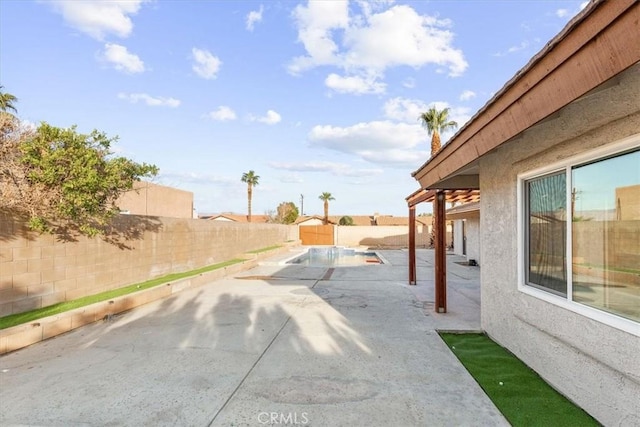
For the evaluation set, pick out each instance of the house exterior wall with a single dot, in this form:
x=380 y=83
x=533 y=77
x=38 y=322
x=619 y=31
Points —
x=37 y=271
x=473 y=239
x=151 y=199
x=593 y=364
x=472 y=231
x=458 y=248
x=628 y=203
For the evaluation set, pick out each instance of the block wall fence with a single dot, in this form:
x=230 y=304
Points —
x=41 y=270
x=389 y=236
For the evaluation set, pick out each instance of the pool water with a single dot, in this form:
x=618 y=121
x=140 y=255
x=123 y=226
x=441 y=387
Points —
x=336 y=256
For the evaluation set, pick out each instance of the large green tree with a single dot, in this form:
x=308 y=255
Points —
x=326 y=197
x=287 y=213
x=436 y=122
x=61 y=180
x=7 y=101
x=251 y=179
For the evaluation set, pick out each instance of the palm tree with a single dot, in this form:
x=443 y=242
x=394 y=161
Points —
x=6 y=101
x=325 y=197
x=436 y=121
x=252 y=180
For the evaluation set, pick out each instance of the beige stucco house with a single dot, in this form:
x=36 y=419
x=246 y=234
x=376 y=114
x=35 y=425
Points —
x=147 y=198
x=553 y=153
x=465 y=221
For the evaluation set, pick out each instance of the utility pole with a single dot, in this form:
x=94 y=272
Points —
x=302 y=205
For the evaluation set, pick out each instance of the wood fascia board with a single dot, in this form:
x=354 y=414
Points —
x=602 y=44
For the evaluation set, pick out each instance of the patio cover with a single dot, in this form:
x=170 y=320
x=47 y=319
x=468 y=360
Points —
x=439 y=198
x=592 y=49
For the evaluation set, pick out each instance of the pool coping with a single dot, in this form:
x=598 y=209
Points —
x=383 y=260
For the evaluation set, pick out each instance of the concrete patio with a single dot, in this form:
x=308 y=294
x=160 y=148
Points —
x=274 y=345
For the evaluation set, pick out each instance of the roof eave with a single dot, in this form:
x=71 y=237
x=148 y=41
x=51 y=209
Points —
x=599 y=43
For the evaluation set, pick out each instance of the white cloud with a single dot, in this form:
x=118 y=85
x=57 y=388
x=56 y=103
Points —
x=292 y=178
x=222 y=114
x=366 y=44
x=99 y=18
x=253 y=17
x=404 y=110
x=151 y=101
x=409 y=83
x=354 y=84
x=271 y=118
x=206 y=64
x=513 y=49
x=398 y=141
x=467 y=95
x=566 y=13
x=175 y=178
x=382 y=142
x=122 y=59
x=315 y=23
x=340 y=169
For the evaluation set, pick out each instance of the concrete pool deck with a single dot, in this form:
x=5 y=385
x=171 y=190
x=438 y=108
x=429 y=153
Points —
x=273 y=345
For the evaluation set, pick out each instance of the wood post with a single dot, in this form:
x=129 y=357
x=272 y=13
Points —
x=441 y=254
x=412 y=245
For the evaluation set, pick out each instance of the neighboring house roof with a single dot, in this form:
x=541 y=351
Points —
x=237 y=218
x=357 y=219
x=309 y=218
x=400 y=220
x=601 y=42
x=366 y=220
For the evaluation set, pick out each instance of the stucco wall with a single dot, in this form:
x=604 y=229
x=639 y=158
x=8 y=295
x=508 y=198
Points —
x=37 y=271
x=394 y=236
x=457 y=237
x=472 y=231
x=595 y=365
x=152 y=199
x=473 y=239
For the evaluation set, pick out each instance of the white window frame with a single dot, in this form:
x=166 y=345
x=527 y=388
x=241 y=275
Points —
x=607 y=318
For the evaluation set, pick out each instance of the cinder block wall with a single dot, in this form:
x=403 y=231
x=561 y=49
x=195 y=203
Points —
x=40 y=270
x=393 y=236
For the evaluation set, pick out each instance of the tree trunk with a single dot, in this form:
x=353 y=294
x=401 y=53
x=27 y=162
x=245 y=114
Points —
x=249 y=194
x=326 y=212
x=435 y=143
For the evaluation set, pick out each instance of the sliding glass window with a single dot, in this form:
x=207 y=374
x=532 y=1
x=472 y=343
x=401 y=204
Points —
x=603 y=233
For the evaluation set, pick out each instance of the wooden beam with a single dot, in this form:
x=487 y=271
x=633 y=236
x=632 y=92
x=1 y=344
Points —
x=412 y=245
x=600 y=44
x=440 y=244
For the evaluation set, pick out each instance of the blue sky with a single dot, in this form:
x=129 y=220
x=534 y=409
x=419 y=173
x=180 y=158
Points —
x=315 y=97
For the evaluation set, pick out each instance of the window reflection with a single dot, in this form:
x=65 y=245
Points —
x=605 y=201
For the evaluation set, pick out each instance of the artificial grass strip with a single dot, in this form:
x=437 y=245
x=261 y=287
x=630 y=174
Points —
x=268 y=248
x=29 y=316
x=518 y=392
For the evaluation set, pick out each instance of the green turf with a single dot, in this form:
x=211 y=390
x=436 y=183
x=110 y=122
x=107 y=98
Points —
x=518 y=392
x=29 y=316
x=268 y=248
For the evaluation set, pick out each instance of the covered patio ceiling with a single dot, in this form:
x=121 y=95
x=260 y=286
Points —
x=451 y=196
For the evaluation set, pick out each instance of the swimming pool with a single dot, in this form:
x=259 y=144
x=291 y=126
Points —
x=336 y=256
